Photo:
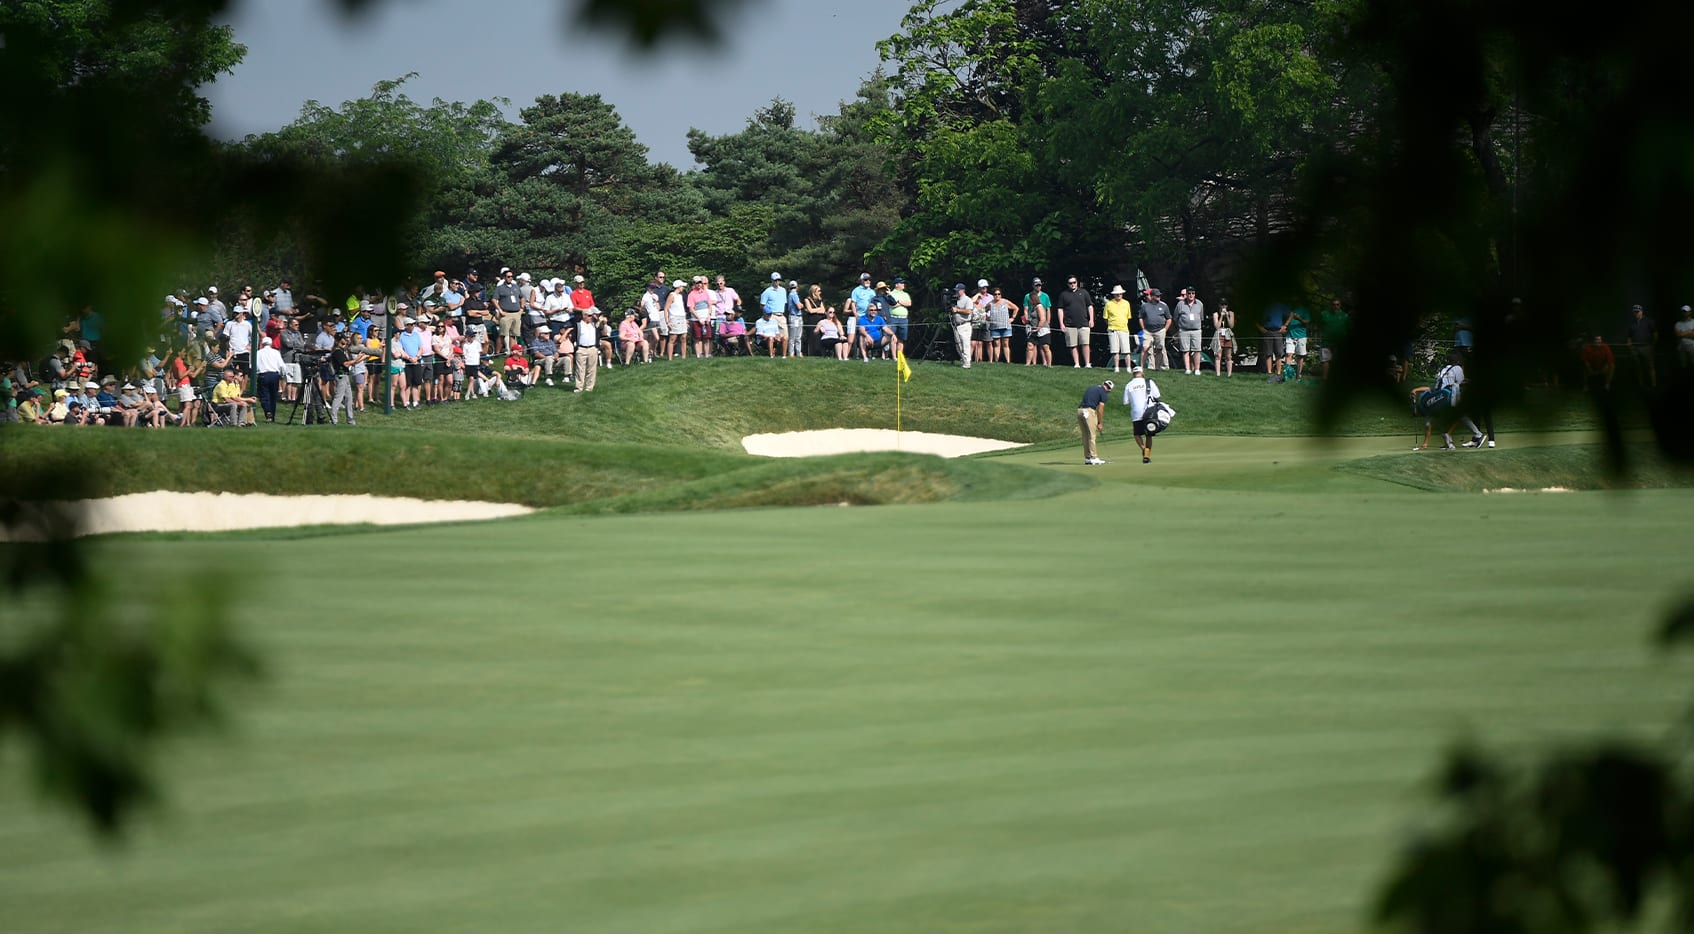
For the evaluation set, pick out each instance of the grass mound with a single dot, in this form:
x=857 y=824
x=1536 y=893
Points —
x=847 y=479
x=1570 y=466
x=715 y=403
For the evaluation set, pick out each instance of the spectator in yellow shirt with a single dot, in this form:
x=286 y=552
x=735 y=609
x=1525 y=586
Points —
x=1118 y=338
x=226 y=395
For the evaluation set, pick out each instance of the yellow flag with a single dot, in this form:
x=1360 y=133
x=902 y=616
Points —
x=901 y=367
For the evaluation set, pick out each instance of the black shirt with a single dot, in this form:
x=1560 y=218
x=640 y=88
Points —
x=1095 y=397
x=1073 y=307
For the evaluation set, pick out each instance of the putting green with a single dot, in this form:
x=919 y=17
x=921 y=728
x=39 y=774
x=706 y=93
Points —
x=1201 y=695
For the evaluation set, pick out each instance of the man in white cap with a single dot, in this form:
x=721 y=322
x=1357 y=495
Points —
x=774 y=299
x=1684 y=330
x=545 y=351
x=268 y=367
x=1139 y=394
x=862 y=295
x=587 y=334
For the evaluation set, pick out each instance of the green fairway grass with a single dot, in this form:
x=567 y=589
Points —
x=1202 y=694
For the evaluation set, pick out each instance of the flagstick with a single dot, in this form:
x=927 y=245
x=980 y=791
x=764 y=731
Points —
x=896 y=407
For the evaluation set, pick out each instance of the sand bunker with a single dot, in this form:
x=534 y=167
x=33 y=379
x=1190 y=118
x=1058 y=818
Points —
x=218 y=512
x=853 y=440
x=1545 y=489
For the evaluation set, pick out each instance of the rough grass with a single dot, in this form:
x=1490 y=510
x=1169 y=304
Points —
x=848 y=479
x=1569 y=466
x=715 y=403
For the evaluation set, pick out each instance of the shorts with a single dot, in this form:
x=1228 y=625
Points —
x=414 y=373
x=1119 y=342
x=701 y=330
x=898 y=326
x=995 y=334
x=1295 y=346
x=395 y=369
x=1141 y=428
x=185 y=393
x=426 y=369
x=1188 y=341
x=1078 y=337
x=1040 y=337
x=359 y=379
x=656 y=326
x=510 y=323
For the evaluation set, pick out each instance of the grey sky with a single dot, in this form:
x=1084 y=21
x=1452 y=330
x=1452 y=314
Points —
x=812 y=52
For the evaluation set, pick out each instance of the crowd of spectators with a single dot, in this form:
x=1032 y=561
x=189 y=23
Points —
x=236 y=360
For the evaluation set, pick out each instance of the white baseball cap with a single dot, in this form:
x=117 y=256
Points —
x=776 y=277
x=578 y=278
x=982 y=283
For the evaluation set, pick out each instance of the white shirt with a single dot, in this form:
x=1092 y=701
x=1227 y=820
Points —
x=1136 y=394
x=1685 y=329
x=269 y=360
x=650 y=304
x=1451 y=377
x=240 y=334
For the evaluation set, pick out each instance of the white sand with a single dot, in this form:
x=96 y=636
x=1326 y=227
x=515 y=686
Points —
x=853 y=440
x=1545 y=489
x=215 y=512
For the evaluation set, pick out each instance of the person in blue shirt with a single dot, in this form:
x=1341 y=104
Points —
x=796 y=320
x=361 y=323
x=873 y=332
x=863 y=294
x=774 y=299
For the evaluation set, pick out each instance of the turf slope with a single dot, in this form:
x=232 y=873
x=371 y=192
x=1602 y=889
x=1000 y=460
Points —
x=1195 y=696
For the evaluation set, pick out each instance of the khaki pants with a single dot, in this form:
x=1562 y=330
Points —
x=1086 y=420
x=587 y=367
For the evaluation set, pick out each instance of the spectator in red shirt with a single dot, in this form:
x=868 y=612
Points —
x=581 y=298
x=1598 y=364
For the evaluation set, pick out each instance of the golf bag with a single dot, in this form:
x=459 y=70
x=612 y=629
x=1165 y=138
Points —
x=1431 y=401
x=1158 y=416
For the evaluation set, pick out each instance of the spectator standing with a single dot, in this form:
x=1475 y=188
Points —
x=899 y=310
x=1190 y=322
x=508 y=302
x=283 y=297
x=1643 y=333
x=676 y=321
x=1155 y=318
x=1273 y=328
x=1076 y=315
x=1091 y=420
x=653 y=313
x=1117 y=313
x=1685 y=337
x=587 y=339
x=796 y=316
x=341 y=368
x=268 y=367
x=1000 y=311
x=862 y=295
x=773 y=303
x=1223 y=340
x=882 y=306
x=1037 y=311
x=214 y=315
x=700 y=317
x=239 y=332
x=979 y=321
x=963 y=310
x=812 y=308
x=1295 y=346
